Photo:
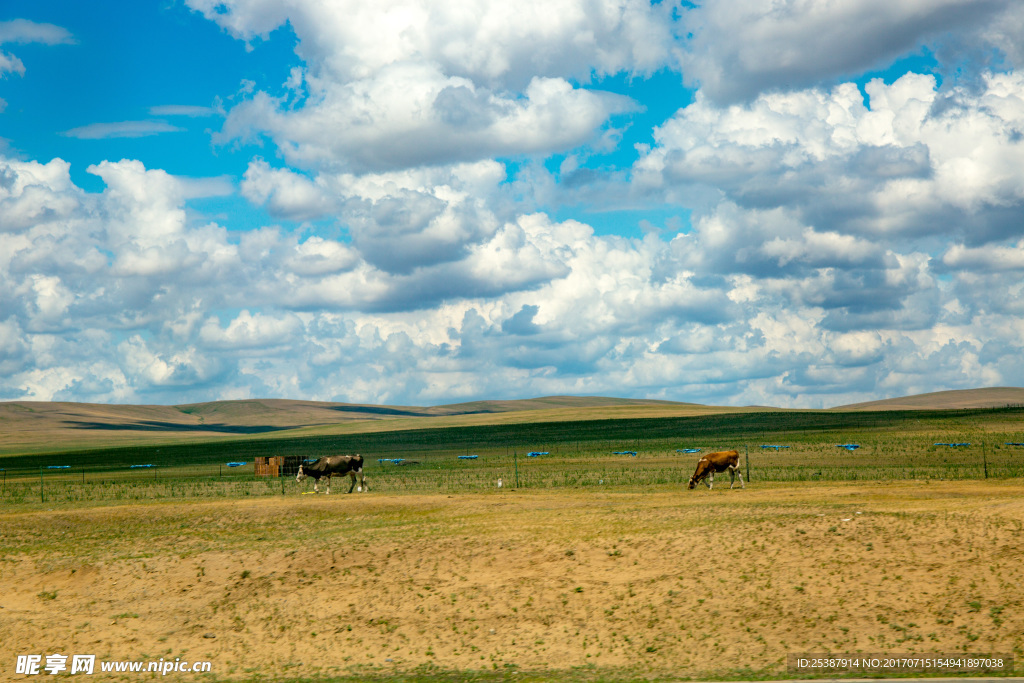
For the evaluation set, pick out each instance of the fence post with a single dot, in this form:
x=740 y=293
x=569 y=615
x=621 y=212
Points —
x=42 y=498
x=984 y=459
x=746 y=456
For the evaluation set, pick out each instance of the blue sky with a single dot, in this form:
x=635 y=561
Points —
x=414 y=202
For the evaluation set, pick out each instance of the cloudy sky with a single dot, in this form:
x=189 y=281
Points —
x=801 y=203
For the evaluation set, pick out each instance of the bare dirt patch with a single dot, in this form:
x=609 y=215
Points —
x=662 y=583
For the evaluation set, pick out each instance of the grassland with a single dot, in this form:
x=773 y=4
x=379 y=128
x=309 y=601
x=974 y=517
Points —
x=590 y=563
x=48 y=427
x=560 y=585
x=614 y=451
x=39 y=427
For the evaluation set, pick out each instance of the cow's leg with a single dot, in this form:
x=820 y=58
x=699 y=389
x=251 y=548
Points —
x=733 y=473
x=352 y=476
x=710 y=481
x=316 y=485
x=328 y=483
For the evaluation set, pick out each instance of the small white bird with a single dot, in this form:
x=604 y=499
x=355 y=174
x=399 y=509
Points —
x=499 y=482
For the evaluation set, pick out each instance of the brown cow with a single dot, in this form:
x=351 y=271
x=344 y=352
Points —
x=327 y=466
x=717 y=462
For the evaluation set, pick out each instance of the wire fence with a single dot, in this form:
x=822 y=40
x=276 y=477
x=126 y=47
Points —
x=555 y=465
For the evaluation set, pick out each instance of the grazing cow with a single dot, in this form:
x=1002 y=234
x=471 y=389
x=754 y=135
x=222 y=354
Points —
x=328 y=466
x=717 y=462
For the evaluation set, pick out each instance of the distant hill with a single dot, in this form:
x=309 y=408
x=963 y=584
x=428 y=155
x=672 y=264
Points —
x=274 y=413
x=992 y=397
x=34 y=427
x=291 y=414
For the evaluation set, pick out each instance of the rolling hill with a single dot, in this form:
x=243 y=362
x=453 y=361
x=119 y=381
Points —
x=991 y=397
x=32 y=427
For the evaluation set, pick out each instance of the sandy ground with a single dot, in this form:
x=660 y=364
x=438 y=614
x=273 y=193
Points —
x=667 y=582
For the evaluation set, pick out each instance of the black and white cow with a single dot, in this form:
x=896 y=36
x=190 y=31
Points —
x=328 y=466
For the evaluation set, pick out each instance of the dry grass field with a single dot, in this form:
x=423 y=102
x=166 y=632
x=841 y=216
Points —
x=568 y=584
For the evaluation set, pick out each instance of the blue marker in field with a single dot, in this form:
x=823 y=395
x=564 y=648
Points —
x=534 y=454
x=133 y=467
x=630 y=453
x=468 y=457
x=235 y=464
x=848 y=446
x=58 y=467
x=687 y=450
x=773 y=446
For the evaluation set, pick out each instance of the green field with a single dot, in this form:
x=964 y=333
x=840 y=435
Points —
x=580 y=453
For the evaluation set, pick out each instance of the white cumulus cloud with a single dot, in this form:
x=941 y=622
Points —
x=402 y=83
x=742 y=48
